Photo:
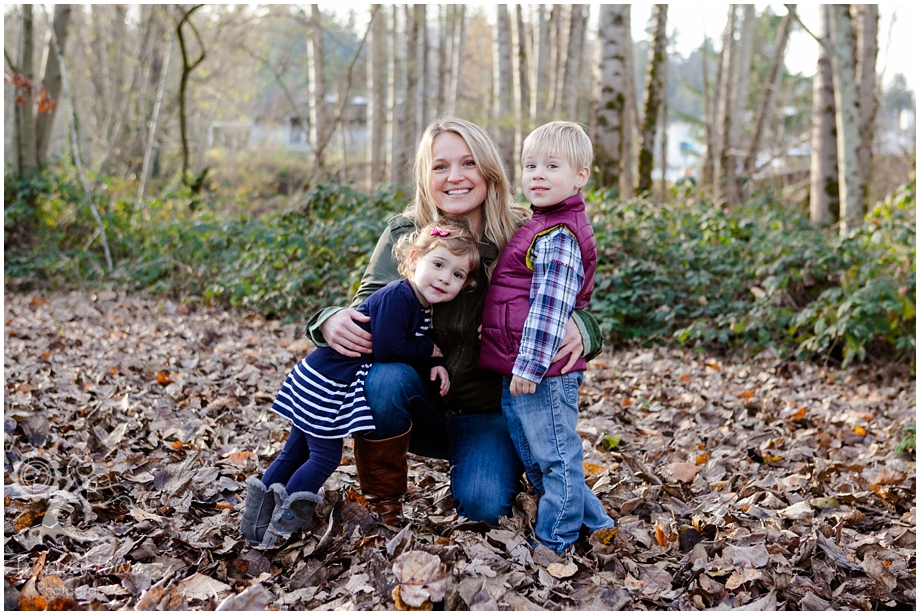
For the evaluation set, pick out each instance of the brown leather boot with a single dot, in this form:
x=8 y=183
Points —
x=382 y=474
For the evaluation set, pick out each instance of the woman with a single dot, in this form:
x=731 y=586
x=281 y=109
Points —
x=460 y=176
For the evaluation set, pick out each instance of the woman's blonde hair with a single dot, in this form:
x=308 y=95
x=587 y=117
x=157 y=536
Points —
x=501 y=215
x=459 y=240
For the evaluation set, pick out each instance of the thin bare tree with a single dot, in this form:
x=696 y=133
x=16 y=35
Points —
x=26 y=156
x=541 y=76
x=188 y=65
x=457 y=45
x=501 y=90
x=521 y=87
x=866 y=54
x=51 y=80
x=725 y=177
x=316 y=63
x=824 y=189
x=571 y=75
x=376 y=100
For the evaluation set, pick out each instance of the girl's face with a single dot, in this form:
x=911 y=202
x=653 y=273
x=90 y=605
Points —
x=457 y=185
x=438 y=276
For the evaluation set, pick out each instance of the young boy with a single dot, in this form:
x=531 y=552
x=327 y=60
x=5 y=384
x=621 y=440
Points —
x=542 y=275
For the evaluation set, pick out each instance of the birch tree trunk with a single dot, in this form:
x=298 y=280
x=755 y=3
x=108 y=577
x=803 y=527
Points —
x=457 y=59
x=824 y=192
x=26 y=156
x=521 y=88
x=51 y=79
x=558 y=30
x=611 y=92
x=421 y=18
x=316 y=62
x=654 y=90
x=768 y=99
x=376 y=110
x=502 y=85
x=541 y=90
x=866 y=54
x=725 y=175
x=852 y=207
x=571 y=74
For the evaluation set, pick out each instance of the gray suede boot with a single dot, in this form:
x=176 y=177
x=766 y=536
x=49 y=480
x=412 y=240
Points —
x=257 y=513
x=293 y=513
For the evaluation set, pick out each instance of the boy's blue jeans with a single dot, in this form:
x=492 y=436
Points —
x=542 y=426
x=485 y=472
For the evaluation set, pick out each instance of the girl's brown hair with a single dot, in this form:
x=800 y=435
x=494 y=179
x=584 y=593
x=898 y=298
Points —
x=458 y=240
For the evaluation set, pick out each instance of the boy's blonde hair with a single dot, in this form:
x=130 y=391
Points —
x=567 y=140
x=458 y=240
x=501 y=215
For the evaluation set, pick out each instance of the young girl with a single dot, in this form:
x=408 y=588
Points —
x=324 y=394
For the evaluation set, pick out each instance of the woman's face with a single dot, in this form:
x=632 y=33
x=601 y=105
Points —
x=457 y=185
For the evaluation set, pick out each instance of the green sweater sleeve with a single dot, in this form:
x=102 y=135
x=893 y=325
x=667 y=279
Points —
x=590 y=331
x=381 y=270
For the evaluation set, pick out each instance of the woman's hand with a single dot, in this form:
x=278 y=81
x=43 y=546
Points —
x=436 y=352
x=441 y=372
x=572 y=346
x=344 y=335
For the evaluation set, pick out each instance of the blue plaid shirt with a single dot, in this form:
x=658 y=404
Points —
x=558 y=276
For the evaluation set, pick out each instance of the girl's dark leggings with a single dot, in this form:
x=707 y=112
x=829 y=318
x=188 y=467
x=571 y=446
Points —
x=305 y=463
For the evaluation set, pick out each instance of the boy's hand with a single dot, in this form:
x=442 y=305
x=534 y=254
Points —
x=522 y=385
x=441 y=372
x=436 y=352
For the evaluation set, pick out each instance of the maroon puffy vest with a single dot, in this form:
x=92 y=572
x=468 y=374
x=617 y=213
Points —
x=508 y=300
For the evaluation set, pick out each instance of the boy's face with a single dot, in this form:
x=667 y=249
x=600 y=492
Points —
x=550 y=179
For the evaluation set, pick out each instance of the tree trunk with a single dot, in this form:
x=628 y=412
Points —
x=611 y=93
x=316 y=63
x=411 y=133
x=51 y=79
x=768 y=100
x=376 y=109
x=26 y=158
x=521 y=88
x=558 y=31
x=725 y=176
x=424 y=116
x=503 y=83
x=713 y=126
x=445 y=14
x=631 y=126
x=154 y=123
x=664 y=132
x=571 y=74
x=740 y=95
x=187 y=67
x=395 y=153
x=457 y=59
x=654 y=90
x=824 y=193
x=852 y=207
x=541 y=91
x=866 y=53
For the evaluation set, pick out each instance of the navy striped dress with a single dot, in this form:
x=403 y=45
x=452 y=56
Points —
x=324 y=393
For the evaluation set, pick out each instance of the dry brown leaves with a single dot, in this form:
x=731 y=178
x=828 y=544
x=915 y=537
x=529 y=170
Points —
x=132 y=422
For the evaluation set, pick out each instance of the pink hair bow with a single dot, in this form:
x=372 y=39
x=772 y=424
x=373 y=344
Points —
x=436 y=232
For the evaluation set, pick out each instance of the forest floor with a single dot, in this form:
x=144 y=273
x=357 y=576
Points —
x=131 y=423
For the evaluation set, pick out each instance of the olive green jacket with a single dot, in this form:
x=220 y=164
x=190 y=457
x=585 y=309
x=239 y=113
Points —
x=455 y=325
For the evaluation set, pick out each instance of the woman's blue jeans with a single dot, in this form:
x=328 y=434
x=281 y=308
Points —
x=485 y=472
x=542 y=426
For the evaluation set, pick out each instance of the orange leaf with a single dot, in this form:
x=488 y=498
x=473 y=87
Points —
x=592 y=469
x=685 y=377
x=223 y=506
x=239 y=457
x=605 y=536
x=714 y=366
x=800 y=415
x=178 y=444
x=163 y=378
x=354 y=496
x=747 y=395
x=701 y=459
x=660 y=535
x=627 y=401
x=859 y=431
x=25 y=520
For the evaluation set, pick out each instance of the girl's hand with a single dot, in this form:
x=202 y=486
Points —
x=436 y=353
x=522 y=385
x=344 y=335
x=572 y=345
x=441 y=372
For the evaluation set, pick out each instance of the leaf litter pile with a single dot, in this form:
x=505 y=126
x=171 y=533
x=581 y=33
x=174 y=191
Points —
x=132 y=422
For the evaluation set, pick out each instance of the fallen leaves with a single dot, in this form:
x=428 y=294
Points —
x=132 y=424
